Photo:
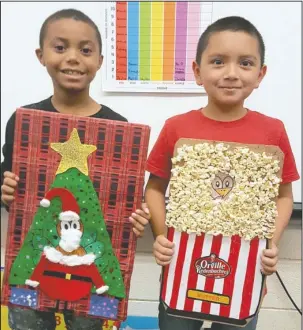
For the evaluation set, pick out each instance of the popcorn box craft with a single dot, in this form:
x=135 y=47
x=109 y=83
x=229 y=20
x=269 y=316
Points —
x=220 y=215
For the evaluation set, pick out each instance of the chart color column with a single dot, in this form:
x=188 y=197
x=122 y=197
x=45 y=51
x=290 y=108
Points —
x=193 y=34
x=157 y=41
x=145 y=29
x=169 y=41
x=121 y=41
x=181 y=33
x=133 y=40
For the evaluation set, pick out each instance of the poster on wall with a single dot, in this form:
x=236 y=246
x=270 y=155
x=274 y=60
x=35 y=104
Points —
x=150 y=46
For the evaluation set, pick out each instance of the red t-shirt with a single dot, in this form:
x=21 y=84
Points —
x=253 y=128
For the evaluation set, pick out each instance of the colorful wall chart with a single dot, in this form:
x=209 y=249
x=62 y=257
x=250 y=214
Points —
x=150 y=46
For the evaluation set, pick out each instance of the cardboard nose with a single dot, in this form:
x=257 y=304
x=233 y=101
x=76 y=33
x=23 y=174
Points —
x=223 y=191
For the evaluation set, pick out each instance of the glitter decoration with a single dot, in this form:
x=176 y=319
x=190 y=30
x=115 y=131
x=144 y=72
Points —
x=24 y=297
x=94 y=239
x=103 y=306
x=74 y=153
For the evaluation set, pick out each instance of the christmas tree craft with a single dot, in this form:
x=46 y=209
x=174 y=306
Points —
x=47 y=156
x=67 y=252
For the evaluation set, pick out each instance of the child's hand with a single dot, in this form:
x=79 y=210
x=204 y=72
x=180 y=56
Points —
x=140 y=219
x=269 y=260
x=8 y=188
x=163 y=250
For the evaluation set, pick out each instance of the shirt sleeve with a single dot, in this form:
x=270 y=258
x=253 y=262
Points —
x=290 y=172
x=159 y=160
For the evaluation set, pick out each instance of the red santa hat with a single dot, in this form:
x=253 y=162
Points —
x=70 y=207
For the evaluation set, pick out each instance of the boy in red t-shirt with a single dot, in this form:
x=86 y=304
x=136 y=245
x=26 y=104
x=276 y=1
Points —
x=230 y=65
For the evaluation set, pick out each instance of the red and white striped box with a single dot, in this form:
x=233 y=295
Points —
x=214 y=277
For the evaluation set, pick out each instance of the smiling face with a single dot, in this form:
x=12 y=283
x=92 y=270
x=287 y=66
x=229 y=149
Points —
x=71 y=54
x=230 y=67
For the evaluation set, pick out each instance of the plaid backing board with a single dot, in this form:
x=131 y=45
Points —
x=116 y=169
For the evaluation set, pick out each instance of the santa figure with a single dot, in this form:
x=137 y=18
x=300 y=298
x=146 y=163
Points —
x=66 y=272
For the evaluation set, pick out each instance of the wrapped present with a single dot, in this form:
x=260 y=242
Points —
x=70 y=244
x=220 y=215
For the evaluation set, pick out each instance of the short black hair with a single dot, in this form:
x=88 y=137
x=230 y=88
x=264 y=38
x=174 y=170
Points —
x=230 y=23
x=75 y=14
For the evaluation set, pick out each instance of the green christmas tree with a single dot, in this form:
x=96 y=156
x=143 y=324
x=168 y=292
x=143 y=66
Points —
x=72 y=175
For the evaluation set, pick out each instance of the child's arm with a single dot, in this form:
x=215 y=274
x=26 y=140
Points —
x=284 y=204
x=285 y=207
x=7 y=149
x=269 y=258
x=155 y=198
x=159 y=165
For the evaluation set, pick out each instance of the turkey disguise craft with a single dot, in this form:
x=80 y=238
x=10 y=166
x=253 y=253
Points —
x=220 y=215
x=86 y=178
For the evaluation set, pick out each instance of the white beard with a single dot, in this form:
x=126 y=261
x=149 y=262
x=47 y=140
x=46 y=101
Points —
x=70 y=240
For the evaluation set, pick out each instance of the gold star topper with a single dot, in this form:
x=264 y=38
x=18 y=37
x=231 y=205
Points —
x=74 y=153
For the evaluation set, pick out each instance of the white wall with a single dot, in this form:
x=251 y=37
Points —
x=24 y=80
